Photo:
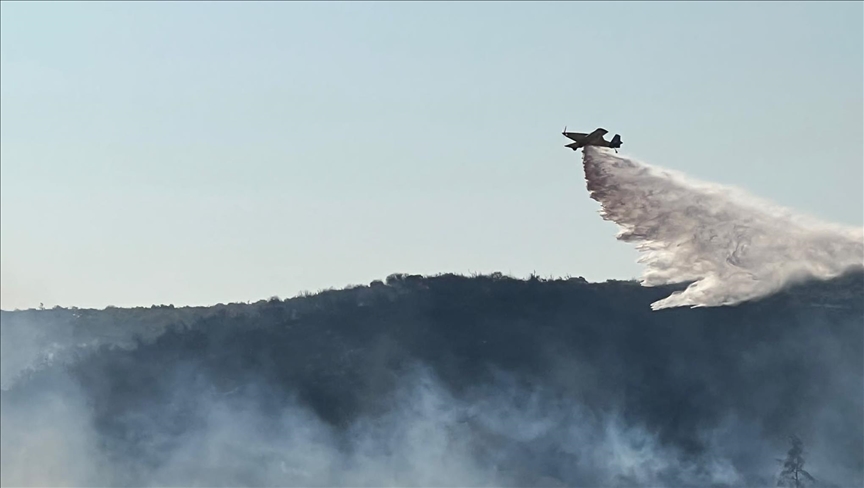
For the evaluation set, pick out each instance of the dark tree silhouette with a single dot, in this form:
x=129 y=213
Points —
x=794 y=474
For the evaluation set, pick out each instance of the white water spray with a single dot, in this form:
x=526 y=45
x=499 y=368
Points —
x=732 y=246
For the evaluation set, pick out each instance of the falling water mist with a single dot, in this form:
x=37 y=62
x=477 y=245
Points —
x=732 y=246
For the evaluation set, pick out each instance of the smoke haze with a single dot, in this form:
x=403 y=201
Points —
x=482 y=381
x=439 y=381
x=730 y=245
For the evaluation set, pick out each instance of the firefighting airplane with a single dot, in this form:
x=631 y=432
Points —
x=593 y=139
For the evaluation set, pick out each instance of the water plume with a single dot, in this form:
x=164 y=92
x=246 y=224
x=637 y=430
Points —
x=731 y=246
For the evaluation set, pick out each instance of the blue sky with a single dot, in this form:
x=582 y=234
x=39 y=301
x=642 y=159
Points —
x=196 y=153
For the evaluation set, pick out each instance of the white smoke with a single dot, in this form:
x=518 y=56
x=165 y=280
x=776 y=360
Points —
x=506 y=436
x=732 y=246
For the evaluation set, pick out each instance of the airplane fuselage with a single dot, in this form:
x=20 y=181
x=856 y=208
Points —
x=593 y=139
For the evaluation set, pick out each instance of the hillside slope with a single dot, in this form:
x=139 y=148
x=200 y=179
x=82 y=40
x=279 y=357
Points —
x=445 y=380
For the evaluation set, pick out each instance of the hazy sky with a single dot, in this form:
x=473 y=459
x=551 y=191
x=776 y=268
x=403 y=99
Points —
x=196 y=153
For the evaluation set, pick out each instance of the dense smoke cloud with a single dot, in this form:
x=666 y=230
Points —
x=732 y=246
x=444 y=381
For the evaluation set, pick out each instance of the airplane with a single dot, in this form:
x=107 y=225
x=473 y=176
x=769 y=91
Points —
x=593 y=139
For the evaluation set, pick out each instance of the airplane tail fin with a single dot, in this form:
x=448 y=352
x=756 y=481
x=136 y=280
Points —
x=616 y=142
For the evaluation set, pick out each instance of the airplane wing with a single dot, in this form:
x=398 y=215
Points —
x=575 y=136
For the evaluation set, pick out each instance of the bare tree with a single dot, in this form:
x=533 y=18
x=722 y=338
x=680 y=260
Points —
x=793 y=474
